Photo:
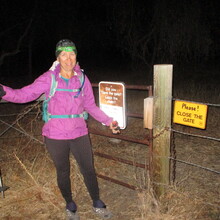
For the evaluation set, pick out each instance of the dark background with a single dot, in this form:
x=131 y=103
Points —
x=109 y=34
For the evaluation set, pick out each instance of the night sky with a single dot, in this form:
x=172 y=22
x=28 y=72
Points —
x=107 y=31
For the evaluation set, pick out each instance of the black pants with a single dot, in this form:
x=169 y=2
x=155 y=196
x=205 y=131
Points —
x=82 y=151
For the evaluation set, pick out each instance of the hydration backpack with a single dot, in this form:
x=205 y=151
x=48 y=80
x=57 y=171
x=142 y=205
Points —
x=46 y=116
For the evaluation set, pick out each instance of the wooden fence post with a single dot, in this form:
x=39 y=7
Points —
x=161 y=124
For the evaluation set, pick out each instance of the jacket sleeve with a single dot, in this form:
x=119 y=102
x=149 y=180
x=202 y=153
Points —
x=28 y=93
x=91 y=107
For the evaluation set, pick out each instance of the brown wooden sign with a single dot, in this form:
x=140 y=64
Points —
x=112 y=101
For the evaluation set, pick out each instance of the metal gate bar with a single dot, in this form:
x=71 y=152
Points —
x=147 y=141
x=134 y=115
x=135 y=87
x=121 y=137
x=132 y=163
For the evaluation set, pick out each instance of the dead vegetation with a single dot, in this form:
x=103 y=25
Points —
x=29 y=172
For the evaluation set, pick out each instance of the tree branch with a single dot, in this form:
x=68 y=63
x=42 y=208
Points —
x=17 y=49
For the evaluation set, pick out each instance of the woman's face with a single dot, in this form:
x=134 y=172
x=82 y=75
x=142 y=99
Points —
x=67 y=60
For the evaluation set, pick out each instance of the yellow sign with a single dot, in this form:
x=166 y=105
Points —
x=190 y=114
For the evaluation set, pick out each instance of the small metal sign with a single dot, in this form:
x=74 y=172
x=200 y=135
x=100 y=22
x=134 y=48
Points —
x=112 y=101
x=190 y=114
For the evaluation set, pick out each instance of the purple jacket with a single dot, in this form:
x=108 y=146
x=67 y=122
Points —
x=62 y=103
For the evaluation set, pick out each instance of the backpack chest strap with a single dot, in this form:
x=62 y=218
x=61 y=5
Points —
x=69 y=90
x=83 y=115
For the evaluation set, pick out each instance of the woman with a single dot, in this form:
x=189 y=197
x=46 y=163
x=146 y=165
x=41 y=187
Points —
x=65 y=129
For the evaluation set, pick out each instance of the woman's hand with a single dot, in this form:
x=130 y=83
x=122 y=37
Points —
x=114 y=127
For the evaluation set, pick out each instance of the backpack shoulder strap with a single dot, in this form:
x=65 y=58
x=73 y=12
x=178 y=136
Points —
x=53 y=85
x=82 y=81
x=82 y=78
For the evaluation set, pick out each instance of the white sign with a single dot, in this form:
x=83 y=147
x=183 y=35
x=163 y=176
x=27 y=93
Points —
x=112 y=101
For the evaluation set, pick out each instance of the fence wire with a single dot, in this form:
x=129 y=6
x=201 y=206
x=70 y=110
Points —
x=20 y=116
x=173 y=150
x=209 y=104
x=16 y=114
x=173 y=156
x=173 y=153
x=196 y=135
x=19 y=130
x=195 y=165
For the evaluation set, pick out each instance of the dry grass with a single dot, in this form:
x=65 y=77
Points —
x=29 y=172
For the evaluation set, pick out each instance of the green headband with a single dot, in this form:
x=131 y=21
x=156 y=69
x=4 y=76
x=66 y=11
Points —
x=67 y=49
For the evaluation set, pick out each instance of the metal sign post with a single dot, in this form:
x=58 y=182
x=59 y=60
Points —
x=2 y=188
x=112 y=101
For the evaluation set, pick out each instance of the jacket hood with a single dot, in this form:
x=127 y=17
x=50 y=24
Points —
x=56 y=70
